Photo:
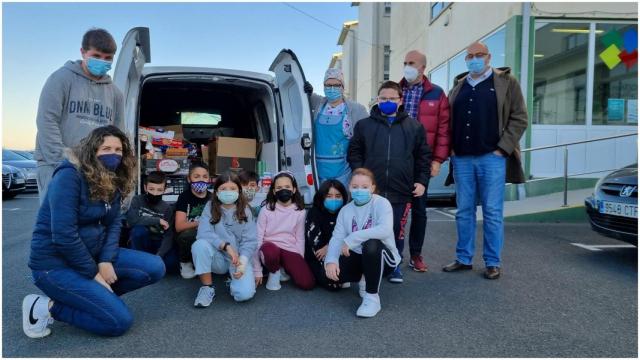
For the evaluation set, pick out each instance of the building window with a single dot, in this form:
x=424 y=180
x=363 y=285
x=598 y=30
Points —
x=387 y=9
x=386 y=62
x=615 y=88
x=496 y=43
x=437 y=8
x=560 y=73
x=457 y=66
x=439 y=77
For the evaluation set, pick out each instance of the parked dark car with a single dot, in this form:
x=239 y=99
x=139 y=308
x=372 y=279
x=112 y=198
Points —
x=25 y=154
x=13 y=181
x=613 y=207
x=10 y=157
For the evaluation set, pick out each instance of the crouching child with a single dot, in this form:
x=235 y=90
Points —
x=225 y=242
x=149 y=218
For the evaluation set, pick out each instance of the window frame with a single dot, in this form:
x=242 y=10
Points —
x=445 y=5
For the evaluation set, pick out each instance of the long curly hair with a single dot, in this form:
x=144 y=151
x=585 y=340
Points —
x=241 y=203
x=103 y=184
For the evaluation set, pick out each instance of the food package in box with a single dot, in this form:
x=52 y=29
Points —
x=151 y=133
x=174 y=152
x=166 y=142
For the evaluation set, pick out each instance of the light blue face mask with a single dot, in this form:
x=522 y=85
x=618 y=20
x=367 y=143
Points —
x=333 y=205
x=361 y=196
x=333 y=93
x=475 y=65
x=227 y=197
x=98 y=67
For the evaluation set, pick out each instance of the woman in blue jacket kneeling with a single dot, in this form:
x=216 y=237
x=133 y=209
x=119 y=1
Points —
x=75 y=258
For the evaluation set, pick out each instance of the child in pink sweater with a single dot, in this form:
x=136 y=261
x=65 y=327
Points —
x=280 y=233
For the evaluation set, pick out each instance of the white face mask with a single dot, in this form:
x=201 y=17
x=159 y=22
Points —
x=410 y=73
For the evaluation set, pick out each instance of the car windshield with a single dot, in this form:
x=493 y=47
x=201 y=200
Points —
x=11 y=156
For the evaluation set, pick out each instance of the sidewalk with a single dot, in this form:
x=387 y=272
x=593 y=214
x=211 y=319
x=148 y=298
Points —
x=540 y=204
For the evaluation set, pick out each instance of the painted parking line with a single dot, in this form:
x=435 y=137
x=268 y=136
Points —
x=445 y=213
x=601 y=247
x=12 y=209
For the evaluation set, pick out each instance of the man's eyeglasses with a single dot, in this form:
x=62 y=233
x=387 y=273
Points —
x=333 y=86
x=385 y=99
x=476 y=55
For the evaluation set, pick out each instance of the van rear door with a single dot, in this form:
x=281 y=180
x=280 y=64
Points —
x=134 y=53
x=295 y=132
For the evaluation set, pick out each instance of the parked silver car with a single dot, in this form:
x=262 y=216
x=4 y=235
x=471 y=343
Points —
x=613 y=207
x=13 y=181
x=10 y=157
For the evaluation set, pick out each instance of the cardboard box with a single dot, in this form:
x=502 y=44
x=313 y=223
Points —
x=236 y=154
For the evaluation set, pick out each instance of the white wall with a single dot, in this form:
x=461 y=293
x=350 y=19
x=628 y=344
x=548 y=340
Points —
x=595 y=156
x=366 y=53
x=349 y=61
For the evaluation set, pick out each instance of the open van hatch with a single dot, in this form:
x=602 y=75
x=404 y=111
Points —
x=207 y=106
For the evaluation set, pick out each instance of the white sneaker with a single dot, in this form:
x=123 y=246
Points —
x=205 y=296
x=36 y=316
x=187 y=271
x=284 y=276
x=362 y=287
x=273 y=283
x=370 y=306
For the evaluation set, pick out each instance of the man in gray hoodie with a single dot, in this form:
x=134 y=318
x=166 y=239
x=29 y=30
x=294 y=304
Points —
x=76 y=99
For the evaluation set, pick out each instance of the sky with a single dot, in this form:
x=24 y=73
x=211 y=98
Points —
x=37 y=39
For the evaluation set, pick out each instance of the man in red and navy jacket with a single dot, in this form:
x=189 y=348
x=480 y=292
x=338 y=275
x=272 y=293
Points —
x=427 y=103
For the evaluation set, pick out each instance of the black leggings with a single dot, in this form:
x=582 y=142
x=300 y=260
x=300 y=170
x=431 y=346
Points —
x=371 y=263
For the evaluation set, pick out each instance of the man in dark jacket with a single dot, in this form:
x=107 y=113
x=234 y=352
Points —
x=488 y=118
x=427 y=103
x=393 y=146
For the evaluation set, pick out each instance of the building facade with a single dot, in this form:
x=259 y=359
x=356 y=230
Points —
x=576 y=62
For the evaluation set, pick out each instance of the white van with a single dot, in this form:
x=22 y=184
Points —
x=272 y=109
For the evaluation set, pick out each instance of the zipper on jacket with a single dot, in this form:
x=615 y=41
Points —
x=386 y=193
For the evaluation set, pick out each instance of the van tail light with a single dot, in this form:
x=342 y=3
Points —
x=310 y=179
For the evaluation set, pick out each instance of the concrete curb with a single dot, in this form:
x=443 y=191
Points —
x=571 y=214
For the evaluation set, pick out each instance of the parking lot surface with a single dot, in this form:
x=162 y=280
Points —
x=554 y=299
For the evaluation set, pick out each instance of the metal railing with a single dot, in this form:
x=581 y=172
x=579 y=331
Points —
x=566 y=159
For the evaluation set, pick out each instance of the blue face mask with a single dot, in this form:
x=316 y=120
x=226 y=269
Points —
x=110 y=161
x=332 y=93
x=333 y=205
x=388 y=107
x=227 y=197
x=475 y=65
x=98 y=67
x=199 y=186
x=361 y=196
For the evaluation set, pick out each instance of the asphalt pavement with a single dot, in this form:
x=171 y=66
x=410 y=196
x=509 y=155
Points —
x=554 y=299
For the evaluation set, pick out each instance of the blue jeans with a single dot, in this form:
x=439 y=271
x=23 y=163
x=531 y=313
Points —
x=206 y=260
x=143 y=240
x=344 y=179
x=480 y=177
x=84 y=303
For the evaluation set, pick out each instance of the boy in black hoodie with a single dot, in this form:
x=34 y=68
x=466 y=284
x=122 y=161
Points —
x=393 y=146
x=149 y=218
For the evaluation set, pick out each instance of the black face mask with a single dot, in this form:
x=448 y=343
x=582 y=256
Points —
x=284 y=195
x=153 y=199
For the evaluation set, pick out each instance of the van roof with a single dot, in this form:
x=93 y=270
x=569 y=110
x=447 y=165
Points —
x=182 y=70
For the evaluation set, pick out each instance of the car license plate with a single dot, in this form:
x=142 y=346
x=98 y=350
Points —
x=618 y=209
x=19 y=181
